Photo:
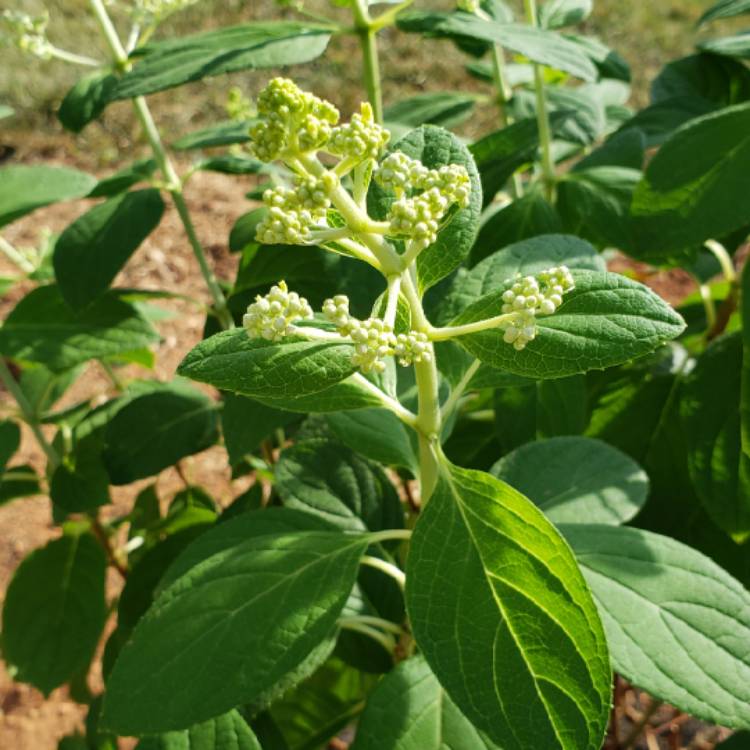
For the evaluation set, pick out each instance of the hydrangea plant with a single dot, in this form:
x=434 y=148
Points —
x=452 y=414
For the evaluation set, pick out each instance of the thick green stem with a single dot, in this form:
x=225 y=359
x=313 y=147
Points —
x=370 y=60
x=542 y=116
x=174 y=184
x=29 y=416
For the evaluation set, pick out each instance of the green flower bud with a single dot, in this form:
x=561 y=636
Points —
x=531 y=297
x=28 y=33
x=399 y=173
x=412 y=347
x=361 y=138
x=470 y=6
x=292 y=121
x=418 y=218
x=271 y=317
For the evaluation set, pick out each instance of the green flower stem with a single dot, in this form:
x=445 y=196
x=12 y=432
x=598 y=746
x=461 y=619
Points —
x=708 y=305
x=458 y=391
x=407 y=417
x=16 y=257
x=724 y=258
x=429 y=421
x=388 y=535
x=371 y=63
x=377 y=622
x=71 y=57
x=174 y=185
x=385 y=640
x=394 y=289
x=542 y=116
x=385 y=567
x=451 y=332
x=29 y=416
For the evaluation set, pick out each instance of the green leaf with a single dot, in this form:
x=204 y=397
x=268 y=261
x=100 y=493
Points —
x=377 y=434
x=81 y=482
x=158 y=429
x=677 y=624
x=10 y=439
x=738 y=741
x=736 y=45
x=557 y=13
x=232 y=626
x=725 y=9
x=346 y=395
x=54 y=611
x=606 y=320
x=246 y=423
x=223 y=134
x=595 y=203
x=43 y=329
x=314 y=711
x=576 y=480
x=248 y=46
x=522 y=219
x=93 y=249
x=539 y=45
x=139 y=171
x=499 y=154
x=258 y=368
x=24 y=189
x=242 y=234
x=226 y=732
x=409 y=710
x=331 y=481
x=445 y=108
x=504 y=618
x=232 y=164
x=435 y=148
x=528 y=257
x=710 y=411
x=86 y=100
x=18 y=481
x=681 y=200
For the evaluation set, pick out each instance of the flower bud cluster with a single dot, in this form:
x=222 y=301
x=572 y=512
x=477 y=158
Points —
x=373 y=338
x=359 y=139
x=148 y=12
x=294 y=212
x=271 y=317
x=418 y=217
x=28 y=33
x=292 y=121
x=470 y=6
x=531 y=297
x=412 y=347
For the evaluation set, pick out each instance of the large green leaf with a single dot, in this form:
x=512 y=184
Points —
x=222 y=134
x=247 y=605
x=677 y=625
x=258 y=368
x=18 y=481
x=226 y=732
x=681 y=200
x=576 y=480
x=86 y=100
x=606 y=320
x=376 y=433
x=44 y=330
x=329 y=480
x=409 y=710
x=738 y=741
x=435 y=148
x=736 y=45
x=10 y=439
x=245 y=423
x=527 y=257
x=211 y=53
x=725 y=9
x=54 y=611
x=557 y=13
x=444 y=108
x=24 y=189
x=156 y=430
x=539 y=45
x=91 y=251
x=122 y=180
x=504 y=618
x=710 y=411
x=595 y=203
x=346 y=395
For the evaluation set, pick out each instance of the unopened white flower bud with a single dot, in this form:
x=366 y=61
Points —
x=28 y=33
x=271 y=317
x=412 y=347
x=361 y=138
